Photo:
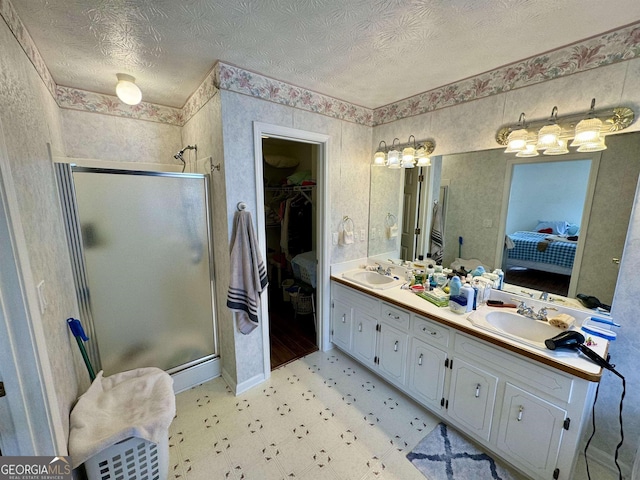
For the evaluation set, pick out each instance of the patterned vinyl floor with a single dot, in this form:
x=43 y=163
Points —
x=321 y=417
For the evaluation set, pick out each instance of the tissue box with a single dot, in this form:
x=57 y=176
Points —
x=437 y=297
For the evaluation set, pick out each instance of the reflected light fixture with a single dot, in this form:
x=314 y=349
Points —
x=407 y=155
x=552 y=136
x=379 y=158
x=127 y=90
x=393 y=157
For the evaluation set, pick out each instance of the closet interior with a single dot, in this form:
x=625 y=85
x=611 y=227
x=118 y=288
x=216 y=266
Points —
x=290 y=220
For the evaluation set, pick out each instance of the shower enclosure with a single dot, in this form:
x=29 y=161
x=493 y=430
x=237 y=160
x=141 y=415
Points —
x=141 y=254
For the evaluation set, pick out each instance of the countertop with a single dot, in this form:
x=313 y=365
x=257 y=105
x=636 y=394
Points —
x=569 y=362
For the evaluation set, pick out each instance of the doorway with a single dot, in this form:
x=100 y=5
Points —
x=290 y=217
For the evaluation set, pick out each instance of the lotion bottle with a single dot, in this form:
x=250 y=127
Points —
x=467 y=291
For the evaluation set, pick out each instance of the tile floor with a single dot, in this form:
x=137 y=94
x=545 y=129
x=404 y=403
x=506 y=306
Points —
x=321 y=417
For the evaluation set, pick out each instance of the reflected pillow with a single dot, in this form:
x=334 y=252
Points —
x=573 y=229
x=557 y=227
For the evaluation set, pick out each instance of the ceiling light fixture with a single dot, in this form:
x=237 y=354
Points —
x=414 y=154
x=127 y=90
x=552 y=136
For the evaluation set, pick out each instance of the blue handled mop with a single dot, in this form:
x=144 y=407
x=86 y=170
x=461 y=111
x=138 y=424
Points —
x=78 y=332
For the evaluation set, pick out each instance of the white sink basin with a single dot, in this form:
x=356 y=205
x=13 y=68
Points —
x=371 y=279
x=522 y=327
x=519 y=328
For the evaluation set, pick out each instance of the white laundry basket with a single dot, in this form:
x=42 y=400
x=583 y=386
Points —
x=131 y=459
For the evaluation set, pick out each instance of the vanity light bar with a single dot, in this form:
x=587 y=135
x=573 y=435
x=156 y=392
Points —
x=613 y=120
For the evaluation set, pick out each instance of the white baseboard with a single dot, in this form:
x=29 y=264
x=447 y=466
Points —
x=238 y=388
x=195 y=375
x=607 y=461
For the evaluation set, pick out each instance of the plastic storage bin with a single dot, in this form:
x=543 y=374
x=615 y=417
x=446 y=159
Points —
x=131 y=459
x=302 y=303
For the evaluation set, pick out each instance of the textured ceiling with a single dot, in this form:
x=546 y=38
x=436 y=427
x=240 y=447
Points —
x=368 y=52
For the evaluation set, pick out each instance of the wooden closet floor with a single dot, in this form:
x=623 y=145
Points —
x=291 y=337
x=545 y=282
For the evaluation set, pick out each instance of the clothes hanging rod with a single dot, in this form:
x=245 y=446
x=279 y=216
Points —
x=292 y=188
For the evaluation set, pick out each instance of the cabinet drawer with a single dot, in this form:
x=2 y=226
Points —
x=430 y=331
x=360 y=301
x=395 y=316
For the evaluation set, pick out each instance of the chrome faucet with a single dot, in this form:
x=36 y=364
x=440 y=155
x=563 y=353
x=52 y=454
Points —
x=525 y=311
x=544 y=296
x=382 y=271
x=542 y=313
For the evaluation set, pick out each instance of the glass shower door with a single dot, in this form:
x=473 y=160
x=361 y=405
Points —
x=146 y=249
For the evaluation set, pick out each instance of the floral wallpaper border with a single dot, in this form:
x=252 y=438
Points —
x=76 y=99
x=254 y=84
x=26 y=42
x=606 y=49
x=612 y=47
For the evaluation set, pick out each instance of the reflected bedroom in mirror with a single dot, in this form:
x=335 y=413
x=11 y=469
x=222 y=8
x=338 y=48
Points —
x=554 y=224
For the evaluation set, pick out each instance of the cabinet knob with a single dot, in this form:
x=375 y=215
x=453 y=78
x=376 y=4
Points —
x=420 y=360
x=520 y=410
x=360 y=327
x=395 y=346
x=344 y=318
x=477 y=390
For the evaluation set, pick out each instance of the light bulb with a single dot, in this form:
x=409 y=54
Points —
x=127 y=90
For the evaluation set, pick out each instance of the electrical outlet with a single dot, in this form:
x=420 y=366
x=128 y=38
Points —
x=334 y=238
x=363 y=235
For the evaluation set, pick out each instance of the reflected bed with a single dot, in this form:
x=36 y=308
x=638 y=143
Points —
x=540 y=251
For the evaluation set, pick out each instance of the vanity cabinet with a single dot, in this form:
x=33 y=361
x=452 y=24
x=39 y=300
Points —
x=427 y=370
x=529 y=414
x=472 y=397
x=530 y=430
x=341 y=324
x=364 y=337
x=392 y=353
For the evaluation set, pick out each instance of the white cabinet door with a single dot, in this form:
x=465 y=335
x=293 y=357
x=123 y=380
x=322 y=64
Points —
x=364 y=337
x=426 y=372
x=472 y=396
x=341 y=322
x=530 y=431
x=392 y=359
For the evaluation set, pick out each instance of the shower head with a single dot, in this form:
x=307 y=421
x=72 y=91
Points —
x=178 y=156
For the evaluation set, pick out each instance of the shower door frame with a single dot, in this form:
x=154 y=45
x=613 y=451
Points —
x=188 y=374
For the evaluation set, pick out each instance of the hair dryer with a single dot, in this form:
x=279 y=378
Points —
x=573 y=340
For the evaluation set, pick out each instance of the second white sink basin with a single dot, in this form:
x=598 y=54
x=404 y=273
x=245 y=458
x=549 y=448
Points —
x=522 y=327
x=371 y=279
x=517 y=327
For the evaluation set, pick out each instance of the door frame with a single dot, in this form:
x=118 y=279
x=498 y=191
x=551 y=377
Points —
x=261 y=129
x=29 y=412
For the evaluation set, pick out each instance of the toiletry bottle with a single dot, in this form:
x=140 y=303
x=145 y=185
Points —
x=500 y=274
x=467 y=291
x=477 y=292
x=454 y=286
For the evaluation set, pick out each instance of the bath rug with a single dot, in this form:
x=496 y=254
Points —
x=445 y=455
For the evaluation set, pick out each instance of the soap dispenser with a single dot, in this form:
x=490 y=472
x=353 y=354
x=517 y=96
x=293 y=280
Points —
x=468 y=292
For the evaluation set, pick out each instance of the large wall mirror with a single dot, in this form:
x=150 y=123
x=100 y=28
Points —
x=489 y=195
